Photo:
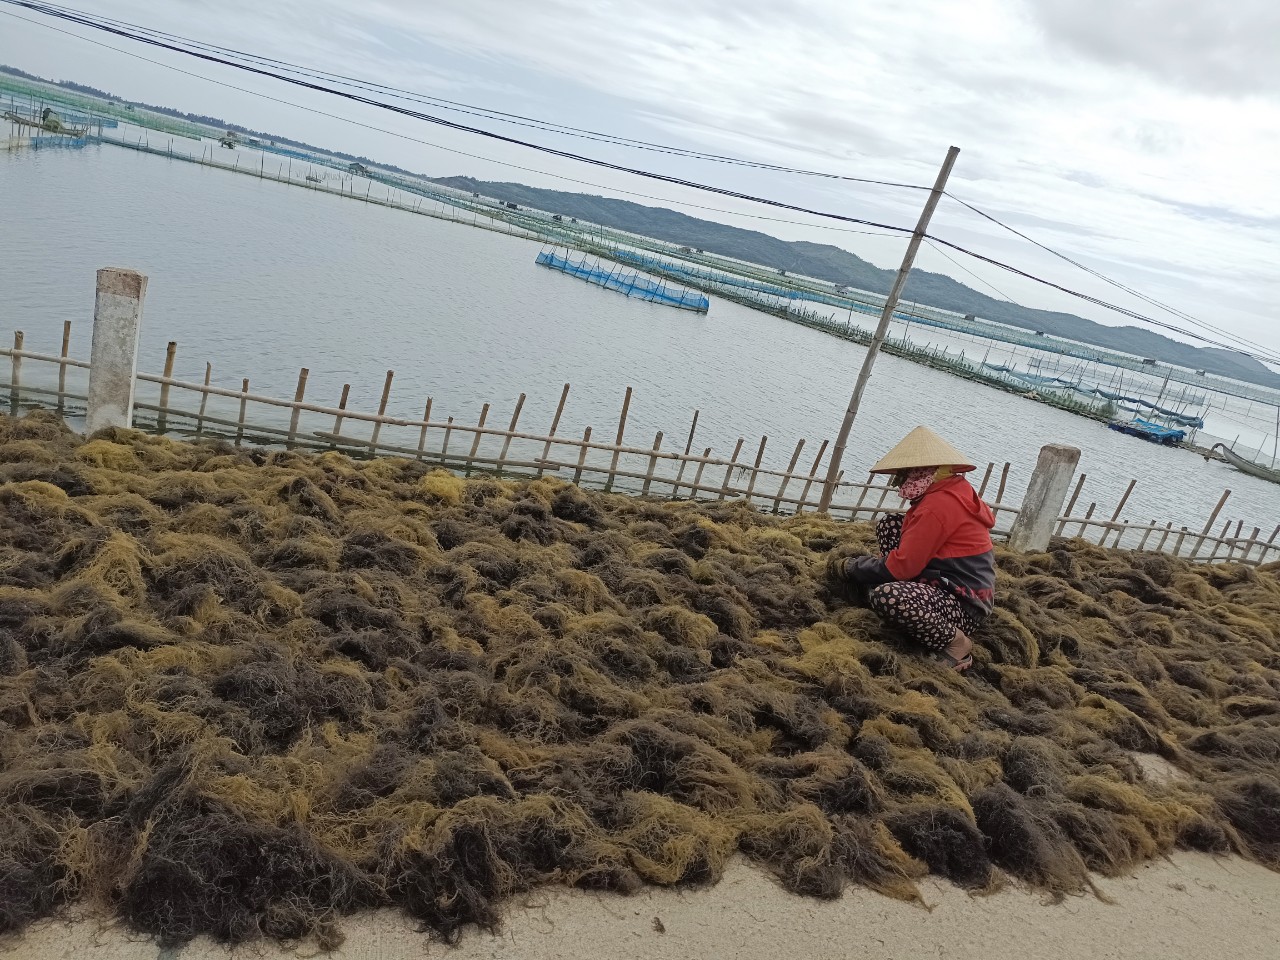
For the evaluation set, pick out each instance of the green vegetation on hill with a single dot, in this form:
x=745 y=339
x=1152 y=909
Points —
x=827 y=262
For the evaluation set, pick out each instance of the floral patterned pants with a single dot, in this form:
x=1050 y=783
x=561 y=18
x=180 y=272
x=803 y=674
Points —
x=929 y=615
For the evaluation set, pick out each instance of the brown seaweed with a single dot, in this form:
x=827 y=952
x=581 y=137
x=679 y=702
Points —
x=244 y=693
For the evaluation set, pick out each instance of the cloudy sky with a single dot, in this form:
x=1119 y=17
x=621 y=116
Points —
x=1139 y=136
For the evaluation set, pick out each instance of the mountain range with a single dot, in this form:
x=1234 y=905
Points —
x=826 y=262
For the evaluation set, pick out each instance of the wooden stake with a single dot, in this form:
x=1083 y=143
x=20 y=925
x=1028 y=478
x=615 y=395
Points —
x=697 y=476
x=755 y=470
x=342 y=405
x=1234 y=543
x=422 y=434
x=857 y=507
x=1267 y=547
x=204 y=398
x=297 y=412
x=582 y=455
x=382 y=412
x=1116 y=516
x=1217 y=544
x=791 y=468
x=1250 y=544
x=62 y=367
x=1004 y=480
x=506 y=443
x=733 y=462
x=1164 y=538
x=1209 y=525
x=1123 y=500
x=169 y=353
x=675 y=489
x=622 y=429
x=1071 y=505
x=555 y=425
x=244 y=402
x=813 y=475
x=1088 y=515
x=1177 y=544
x=475 y=443
x=1146 y=534
x=884 y=495
x=986 y=478
x=448 y=432
x=890 y=304
x=15 y=378
x=1120 y=529
x=653 y=463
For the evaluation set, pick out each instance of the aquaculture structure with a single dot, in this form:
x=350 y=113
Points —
x=635 y=285
x=1152 y=432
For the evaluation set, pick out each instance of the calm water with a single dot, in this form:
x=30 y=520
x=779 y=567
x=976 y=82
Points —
x=261 y=279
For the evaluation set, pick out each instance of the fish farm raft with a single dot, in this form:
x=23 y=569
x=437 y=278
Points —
x=635 y=285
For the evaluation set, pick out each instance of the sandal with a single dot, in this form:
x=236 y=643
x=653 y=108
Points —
x=959 y=666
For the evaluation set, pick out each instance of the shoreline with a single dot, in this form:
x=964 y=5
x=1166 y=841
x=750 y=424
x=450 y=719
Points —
x=1189 y=905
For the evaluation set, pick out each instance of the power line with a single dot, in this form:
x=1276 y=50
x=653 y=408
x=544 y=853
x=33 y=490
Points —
x=453 y=150
x=473 y=110
x=1115 y=283
x=975 y=276
x=85 y=20
x=1264 y=355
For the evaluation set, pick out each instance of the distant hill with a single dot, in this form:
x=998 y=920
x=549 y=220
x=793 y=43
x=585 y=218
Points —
x=821 y=260
x=827 y=262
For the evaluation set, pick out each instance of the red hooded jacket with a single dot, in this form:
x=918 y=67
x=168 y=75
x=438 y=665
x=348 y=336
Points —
x=946 y=542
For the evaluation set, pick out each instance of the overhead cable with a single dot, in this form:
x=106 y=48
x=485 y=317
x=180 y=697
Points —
x=156 y=40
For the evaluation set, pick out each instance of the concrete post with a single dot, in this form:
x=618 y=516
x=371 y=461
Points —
x=113 y=361
x=1043 y=502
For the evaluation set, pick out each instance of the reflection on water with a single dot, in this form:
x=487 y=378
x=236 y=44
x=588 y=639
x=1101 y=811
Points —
x=261 y=279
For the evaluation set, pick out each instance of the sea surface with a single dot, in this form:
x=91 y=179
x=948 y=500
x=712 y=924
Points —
x=260 y=279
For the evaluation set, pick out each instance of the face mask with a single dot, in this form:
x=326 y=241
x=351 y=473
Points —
x=916 y=483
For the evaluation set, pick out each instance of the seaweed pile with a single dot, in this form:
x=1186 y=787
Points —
x=244 y=693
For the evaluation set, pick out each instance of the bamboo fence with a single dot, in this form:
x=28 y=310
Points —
x=182 y=408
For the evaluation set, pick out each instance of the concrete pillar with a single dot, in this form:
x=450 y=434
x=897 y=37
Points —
x=1042 y=505
x=113 y=362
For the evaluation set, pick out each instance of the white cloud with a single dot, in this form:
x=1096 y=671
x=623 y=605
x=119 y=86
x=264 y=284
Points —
x=1226 y=48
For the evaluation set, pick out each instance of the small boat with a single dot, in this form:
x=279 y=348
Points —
x=1152 y=432
x=1247 y=466
x=314 y=178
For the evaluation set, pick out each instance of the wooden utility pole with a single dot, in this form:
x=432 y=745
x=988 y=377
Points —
x=1275 y=444
x=890 y=304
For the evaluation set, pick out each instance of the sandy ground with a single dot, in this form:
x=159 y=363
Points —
x=1191 y=906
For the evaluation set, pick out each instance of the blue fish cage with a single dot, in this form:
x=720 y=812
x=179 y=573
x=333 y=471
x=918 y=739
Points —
x=56 y=142
x=1151 y=432
x=635 y=285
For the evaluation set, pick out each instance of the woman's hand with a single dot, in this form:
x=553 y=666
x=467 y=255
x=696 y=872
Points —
x=868 y=570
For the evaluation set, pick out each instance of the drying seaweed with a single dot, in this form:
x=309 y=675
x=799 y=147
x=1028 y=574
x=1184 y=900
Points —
x=244 y=693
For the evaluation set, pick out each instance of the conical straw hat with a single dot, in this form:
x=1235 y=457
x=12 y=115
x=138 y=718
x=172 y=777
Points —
x=922 y=448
